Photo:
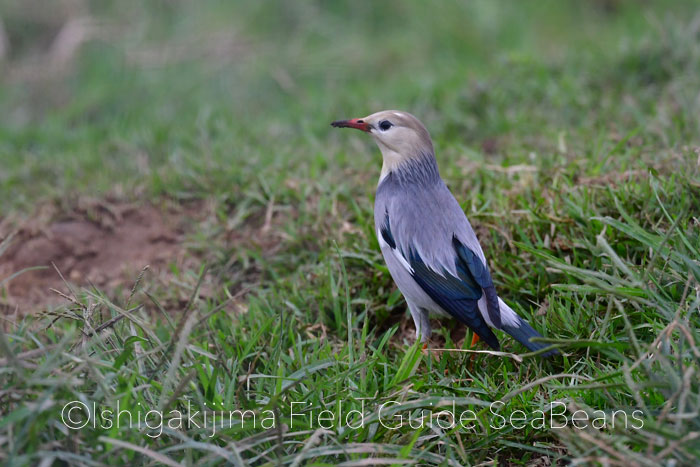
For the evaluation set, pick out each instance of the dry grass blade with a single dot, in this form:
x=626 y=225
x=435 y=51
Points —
x=377 y=461
x=156 y=456
x=308 y=444
x=495 y=353
x=20 y=272
x=29 y=354
x=539 y=381
x=174 y=366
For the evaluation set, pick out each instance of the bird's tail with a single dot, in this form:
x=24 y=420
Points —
x=521 y=331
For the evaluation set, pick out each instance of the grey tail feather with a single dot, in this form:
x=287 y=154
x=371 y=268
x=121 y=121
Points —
x=523 y=332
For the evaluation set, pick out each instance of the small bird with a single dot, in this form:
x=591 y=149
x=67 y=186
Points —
x=427 y=242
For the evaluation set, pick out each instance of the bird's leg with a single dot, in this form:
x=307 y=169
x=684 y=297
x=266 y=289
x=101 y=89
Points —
x=422 y=322
x=475 y=339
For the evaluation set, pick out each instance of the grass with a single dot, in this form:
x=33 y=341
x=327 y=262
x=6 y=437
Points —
x=569 y=133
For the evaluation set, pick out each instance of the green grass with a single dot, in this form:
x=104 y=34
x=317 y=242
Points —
x=568 y=131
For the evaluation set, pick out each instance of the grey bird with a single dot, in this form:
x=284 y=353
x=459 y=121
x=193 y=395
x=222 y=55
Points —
x=427 y=242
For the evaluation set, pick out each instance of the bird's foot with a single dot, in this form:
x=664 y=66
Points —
x=475 y=340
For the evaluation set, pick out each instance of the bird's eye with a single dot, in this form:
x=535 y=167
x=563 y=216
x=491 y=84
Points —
x=385 y=125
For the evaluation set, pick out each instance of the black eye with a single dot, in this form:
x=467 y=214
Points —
x=385 y=125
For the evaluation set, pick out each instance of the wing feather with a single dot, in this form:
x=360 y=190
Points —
x=458 y=295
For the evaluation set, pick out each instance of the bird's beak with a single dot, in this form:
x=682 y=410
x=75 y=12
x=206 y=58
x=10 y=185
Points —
x=357 y=123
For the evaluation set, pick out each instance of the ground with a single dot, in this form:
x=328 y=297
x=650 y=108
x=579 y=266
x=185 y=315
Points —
x=182 y=232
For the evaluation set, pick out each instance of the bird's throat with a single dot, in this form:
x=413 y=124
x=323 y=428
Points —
x=391 y=161
x=421 y=169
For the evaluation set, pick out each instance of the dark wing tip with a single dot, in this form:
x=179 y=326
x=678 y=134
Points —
x=523 y=333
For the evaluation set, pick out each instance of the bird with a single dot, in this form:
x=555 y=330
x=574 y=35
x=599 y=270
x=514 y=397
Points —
x=428 y=244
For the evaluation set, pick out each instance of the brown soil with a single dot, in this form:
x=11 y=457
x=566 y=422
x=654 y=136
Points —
x=104 y=245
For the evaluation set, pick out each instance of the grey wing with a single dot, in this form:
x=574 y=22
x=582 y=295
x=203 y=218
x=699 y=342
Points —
x=430 y=231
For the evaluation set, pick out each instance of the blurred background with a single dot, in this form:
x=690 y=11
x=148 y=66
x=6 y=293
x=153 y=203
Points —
x=194 y=137
x=134 y=97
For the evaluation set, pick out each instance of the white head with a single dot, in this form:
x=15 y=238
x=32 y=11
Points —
x=399 y=135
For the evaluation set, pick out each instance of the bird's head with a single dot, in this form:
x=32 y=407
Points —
x=399 y=135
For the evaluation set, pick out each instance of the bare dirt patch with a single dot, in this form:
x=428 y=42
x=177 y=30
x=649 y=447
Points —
x=105 y=245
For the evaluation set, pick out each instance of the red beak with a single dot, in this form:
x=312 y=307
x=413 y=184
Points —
x=357 y=123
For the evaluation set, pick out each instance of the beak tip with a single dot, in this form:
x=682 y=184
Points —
x=356 y=123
